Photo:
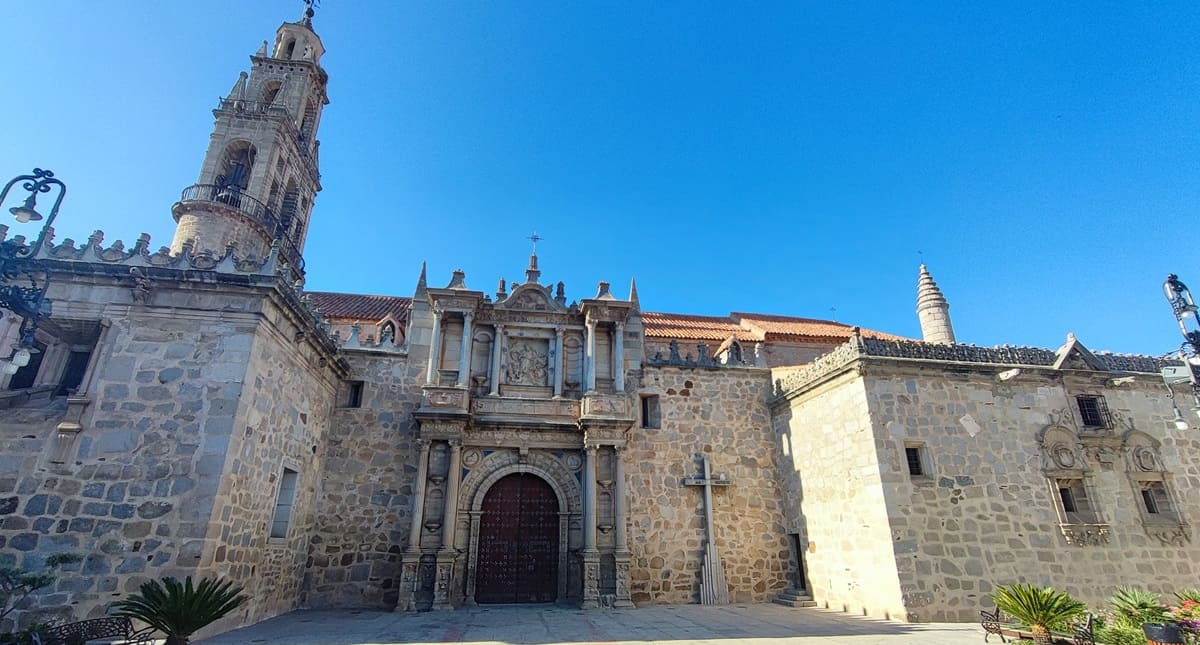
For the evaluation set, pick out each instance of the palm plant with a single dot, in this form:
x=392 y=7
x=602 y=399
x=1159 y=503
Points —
x=1041 y=608
x=1136 y=607
x=179 y=609
x=1184 y=595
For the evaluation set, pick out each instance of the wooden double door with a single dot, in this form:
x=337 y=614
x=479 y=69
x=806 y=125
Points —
x=518 y=542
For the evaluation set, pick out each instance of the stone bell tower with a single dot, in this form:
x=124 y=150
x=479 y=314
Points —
x=260 y=175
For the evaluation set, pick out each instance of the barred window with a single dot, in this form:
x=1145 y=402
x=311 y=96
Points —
x=1093 y=410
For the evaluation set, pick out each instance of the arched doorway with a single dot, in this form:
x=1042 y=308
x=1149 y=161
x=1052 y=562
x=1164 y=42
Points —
x=518 y=542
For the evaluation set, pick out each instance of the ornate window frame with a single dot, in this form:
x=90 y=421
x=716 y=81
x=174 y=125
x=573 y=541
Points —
x=1144 y=468
x=1063 y=461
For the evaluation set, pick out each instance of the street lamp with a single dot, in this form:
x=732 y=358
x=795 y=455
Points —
x=1185 y=310
x=17 y=257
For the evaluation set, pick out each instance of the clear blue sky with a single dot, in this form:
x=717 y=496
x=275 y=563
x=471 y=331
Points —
x=781 y=158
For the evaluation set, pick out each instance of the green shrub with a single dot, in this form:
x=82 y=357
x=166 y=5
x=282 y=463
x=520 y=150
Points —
x=1041 y=608
x=1184 y=595
x=1121 y=633
x=178 y=609
x=1136 y=607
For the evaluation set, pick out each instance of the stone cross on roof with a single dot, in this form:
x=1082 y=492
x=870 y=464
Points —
x=713 y=590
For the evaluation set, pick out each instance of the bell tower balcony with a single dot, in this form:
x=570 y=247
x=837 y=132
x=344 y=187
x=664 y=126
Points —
x=243 y=220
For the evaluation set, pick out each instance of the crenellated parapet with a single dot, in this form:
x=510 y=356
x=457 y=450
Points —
x=858 y=347
x=139 y=255
x=145 y=272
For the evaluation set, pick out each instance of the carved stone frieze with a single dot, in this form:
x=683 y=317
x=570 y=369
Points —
x=1170 y=534
x=525 y=407
x=441 y=429
x=606 y=405
x=443 y=397
x=1085 y=534
x=453 y=303
x=506 y=437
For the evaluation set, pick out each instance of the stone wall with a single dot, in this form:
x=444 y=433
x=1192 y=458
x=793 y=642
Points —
x=365 y=493
x=195 y=399
x=830 y=473
x=988 y=513
x=137 y=497
x=282 y=421
x=723 y=414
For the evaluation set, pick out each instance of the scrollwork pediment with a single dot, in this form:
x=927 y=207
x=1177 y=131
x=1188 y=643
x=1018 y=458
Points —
x=530 y=297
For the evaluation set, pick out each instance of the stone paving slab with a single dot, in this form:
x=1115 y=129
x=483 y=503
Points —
x=546 y=624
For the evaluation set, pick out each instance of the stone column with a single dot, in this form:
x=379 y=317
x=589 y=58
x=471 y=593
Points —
x=448 y=554
x=497 y=349
x=411 y=560
x=619 y=357
x=435 y=348
x=591 y=557
x=464 y=351
x=589 y=358
x=621 y=554
x=559 y=361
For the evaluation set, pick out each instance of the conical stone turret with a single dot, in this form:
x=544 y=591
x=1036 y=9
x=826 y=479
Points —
x=933 y=311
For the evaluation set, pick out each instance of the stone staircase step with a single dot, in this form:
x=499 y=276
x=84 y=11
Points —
x=794 y=598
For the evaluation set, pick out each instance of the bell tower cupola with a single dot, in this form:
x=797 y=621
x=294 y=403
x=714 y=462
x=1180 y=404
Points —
x=261 y=173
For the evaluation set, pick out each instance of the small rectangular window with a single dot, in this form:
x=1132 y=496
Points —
x=284 y=500
x=1073 y=500
x=651 y=416
x=351 y=394
x=913 y=455
x=1093 y=410
x=1155 y=498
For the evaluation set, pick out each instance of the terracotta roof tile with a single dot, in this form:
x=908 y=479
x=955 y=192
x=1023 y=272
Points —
x=688 y=327
x=787 y=327
x=749 y=327
x=364 y=308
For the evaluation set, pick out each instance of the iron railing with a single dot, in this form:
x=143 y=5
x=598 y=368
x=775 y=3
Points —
x=252 y=209
x=252 y=107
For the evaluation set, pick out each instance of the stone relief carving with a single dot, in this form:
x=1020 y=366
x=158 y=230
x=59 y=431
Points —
x=1145 y=459
x=471 y=457
x=444 y=399
x=527 y=363
x=1170 y=534
x=1085 y=534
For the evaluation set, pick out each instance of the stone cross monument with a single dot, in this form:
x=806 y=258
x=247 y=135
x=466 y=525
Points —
x=713 y=590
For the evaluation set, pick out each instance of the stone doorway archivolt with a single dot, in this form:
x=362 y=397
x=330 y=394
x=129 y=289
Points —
x=547 y=466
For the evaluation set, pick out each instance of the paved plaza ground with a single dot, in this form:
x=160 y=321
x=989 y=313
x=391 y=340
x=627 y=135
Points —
x=545 y=624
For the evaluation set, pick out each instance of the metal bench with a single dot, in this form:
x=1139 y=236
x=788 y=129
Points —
x=81 y=632
x=1081 y=633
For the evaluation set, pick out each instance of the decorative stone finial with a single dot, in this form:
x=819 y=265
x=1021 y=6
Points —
x=933 y=311
x=262 y=49
x=422 y=287
x=603 y=293
x=532 y=273
x=501 y=290
x=560 y=293
x=238 y=93
x=633 y=294
x=457 y=280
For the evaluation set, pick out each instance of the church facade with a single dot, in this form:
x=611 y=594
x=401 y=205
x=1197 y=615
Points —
x=193 y=411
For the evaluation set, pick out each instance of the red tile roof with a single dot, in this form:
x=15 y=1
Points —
x=788 y=327
x=684 y=326
x=352 y=306
x=749 y=327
